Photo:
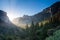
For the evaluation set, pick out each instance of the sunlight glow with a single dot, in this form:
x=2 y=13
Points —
x=11 y=15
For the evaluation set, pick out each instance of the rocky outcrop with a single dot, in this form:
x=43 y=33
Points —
x=4 y=17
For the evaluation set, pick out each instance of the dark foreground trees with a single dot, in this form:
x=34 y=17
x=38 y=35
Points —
x=36 y=32
x=41 y=31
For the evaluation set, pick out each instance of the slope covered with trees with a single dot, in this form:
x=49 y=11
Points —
x=49 y=30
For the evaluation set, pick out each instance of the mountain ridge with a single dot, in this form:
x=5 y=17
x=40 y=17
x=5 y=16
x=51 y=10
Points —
x=41 y=16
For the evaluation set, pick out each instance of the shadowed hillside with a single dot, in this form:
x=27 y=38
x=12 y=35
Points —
x=9 y=31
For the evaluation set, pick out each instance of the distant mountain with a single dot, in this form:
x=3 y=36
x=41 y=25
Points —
x=41 y=16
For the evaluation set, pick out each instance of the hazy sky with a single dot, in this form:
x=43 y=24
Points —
x=16 y=8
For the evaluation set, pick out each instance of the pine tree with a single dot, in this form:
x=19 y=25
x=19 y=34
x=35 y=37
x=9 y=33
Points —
x=37 y=31
x=37 y=26
x=33 y=31
x=27 y=27
x=27 y=32
x=31 y=35
x=41 y=25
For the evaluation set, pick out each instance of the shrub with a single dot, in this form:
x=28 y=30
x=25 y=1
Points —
x=56 y=36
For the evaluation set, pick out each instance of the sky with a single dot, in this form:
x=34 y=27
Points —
x=18 y=8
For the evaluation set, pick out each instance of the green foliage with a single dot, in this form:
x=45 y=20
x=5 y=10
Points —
x=56 y=36
x=33 y=33
x=36 y=32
